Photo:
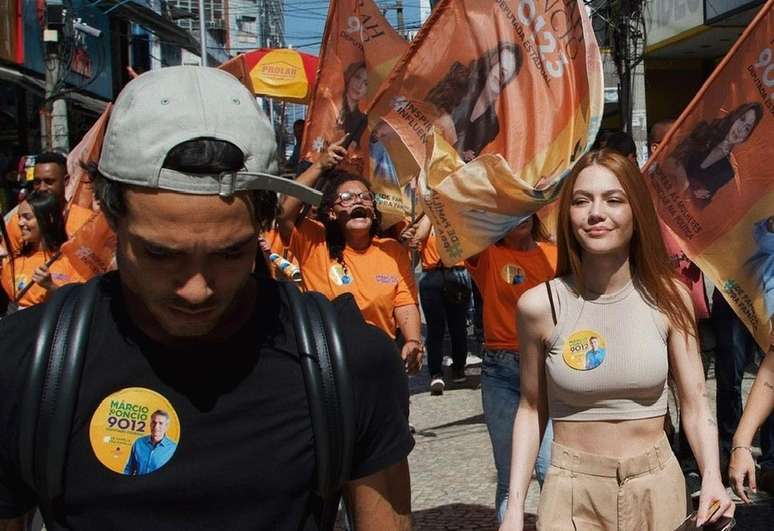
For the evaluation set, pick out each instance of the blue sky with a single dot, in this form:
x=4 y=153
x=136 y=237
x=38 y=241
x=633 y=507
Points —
x=305 y=21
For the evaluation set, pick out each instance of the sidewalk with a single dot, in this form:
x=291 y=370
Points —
x=452 y=472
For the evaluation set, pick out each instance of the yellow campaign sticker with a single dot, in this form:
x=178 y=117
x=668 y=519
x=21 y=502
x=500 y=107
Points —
x=584 y=350
x=513 y=274
x=134 y=431
x=340 y=276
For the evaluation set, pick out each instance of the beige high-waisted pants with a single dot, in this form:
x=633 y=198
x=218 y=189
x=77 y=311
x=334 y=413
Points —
x=591 y=492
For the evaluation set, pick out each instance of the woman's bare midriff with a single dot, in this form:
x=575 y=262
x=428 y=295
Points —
x=619 y=439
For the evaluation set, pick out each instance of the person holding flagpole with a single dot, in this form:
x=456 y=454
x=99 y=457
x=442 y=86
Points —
x=340 y=252
x=611 y=463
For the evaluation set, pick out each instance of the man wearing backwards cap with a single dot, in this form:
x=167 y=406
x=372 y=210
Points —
x=186 y=324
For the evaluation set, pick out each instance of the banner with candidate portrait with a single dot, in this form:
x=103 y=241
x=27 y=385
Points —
x=490 y=107
x=713 y=183
x=359 y=50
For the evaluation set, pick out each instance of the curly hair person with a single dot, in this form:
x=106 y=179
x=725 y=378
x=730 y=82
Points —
x=334 y=236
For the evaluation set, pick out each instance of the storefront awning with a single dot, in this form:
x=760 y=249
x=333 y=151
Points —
x=34 y=84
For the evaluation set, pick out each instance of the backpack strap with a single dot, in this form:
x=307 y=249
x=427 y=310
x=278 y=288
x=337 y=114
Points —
x=51 y=393
x=329 y=392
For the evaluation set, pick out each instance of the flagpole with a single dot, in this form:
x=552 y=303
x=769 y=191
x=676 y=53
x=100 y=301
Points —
x=202 y=33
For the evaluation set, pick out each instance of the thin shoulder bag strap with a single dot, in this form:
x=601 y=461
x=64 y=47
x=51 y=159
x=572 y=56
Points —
x=52 y=390
x=551 y=301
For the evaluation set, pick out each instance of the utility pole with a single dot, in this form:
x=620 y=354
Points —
x=203 y=32
x=54 y=130
x=401 y=21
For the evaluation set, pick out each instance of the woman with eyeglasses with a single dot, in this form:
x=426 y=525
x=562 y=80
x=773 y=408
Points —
x=38 y=261
x=340 y=252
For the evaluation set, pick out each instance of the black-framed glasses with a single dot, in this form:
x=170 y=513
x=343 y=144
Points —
x=347 y=198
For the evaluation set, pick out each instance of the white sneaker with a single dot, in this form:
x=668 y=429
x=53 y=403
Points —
x=437 y=385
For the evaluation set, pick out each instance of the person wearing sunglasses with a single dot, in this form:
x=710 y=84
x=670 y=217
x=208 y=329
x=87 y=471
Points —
x=341 y=252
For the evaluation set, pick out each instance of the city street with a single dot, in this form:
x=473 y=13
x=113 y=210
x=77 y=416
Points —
x=452 y=471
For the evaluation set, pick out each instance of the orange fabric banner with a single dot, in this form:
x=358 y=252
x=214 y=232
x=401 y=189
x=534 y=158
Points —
x=359 y=50
x=78 y=189
x=491 y=105
x=712 y=181
x=92 y=248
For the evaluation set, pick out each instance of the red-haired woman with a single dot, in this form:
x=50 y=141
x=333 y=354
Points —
x=598 y=343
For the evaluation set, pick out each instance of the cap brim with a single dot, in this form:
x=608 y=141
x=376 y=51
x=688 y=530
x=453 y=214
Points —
x=265 y=181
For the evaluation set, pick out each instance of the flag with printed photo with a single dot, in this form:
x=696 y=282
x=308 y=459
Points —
x=491 y=105
x=713 y=184
x=359 y=50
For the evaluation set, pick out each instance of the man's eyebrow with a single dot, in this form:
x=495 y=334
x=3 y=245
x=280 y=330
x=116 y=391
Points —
x=160 y=247
x=237 y=245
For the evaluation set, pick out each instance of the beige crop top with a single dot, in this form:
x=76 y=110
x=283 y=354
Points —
x=607 y=357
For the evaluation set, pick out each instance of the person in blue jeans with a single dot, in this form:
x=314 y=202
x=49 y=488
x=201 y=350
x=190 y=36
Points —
x=500 y=395
x=444 y=293
x=502 y=272
x=734 y=349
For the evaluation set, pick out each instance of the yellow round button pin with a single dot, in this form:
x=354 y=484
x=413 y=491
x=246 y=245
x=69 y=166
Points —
x=584 y=350
x=134 y=431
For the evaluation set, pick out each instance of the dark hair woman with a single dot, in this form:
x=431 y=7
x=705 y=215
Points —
x=341 y=252
x=598 y=343
x=38 y=259
x=467 y=95
x=702 y=163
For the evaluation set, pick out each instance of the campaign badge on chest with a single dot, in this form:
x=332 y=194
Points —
x=584 y=350
x=134 y=431
x=340 y=276
x=513 y=274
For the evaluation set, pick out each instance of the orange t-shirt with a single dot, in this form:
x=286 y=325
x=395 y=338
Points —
x=62 y=272
x=273 y=239
x=380 y=277
x=76 y=217
x=502 y=275
x=431 y=258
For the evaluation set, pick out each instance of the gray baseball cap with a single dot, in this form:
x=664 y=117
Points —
x=163 y=108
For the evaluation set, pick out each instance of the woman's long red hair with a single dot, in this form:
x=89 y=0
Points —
x=651 y=270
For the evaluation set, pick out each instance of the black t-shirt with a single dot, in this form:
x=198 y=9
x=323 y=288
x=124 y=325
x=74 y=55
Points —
x=245 y=456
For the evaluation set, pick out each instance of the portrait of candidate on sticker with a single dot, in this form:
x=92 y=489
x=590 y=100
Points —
x=584 y=350
x=134 y=431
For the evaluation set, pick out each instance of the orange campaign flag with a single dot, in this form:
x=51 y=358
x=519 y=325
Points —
x=712 y=181
x=359 y=50
x=92 y=247
x=78 y=189
x=490 y=107
x=91 y=250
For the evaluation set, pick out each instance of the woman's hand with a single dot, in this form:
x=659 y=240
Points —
x=42 y=276
x=741 y=467
x=712 y=490
x=411 y=353
x=334 y=154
